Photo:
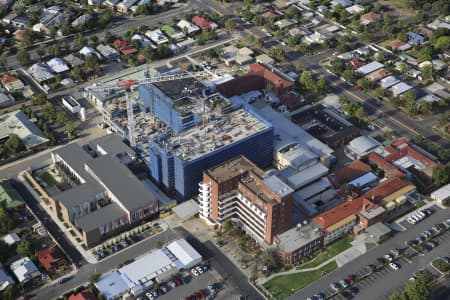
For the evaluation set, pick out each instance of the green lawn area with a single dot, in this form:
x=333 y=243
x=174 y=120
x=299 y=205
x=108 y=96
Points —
x=284 y=286
x=330 y=251
x=48 y=179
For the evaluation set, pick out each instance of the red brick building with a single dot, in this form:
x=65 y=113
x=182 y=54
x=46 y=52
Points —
x=239 y=190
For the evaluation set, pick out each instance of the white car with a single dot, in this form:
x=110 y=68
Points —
x=394 y=266
x=194 y=272
x=411 y=221
x=199 y=270
x=149 y=296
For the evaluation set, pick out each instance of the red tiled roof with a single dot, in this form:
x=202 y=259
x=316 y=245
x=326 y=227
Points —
x=270 y=14
x=370 y=17
x=395 y=44
x=342 y=211
x=385 y=189
x=355 y=63
x=201 y=22
x=6 y=78
x=83 y=295
x=51 y=257
x=352 y=171
x=279 y=83
x=120 y=44
x=390 y=171
x=128 y=50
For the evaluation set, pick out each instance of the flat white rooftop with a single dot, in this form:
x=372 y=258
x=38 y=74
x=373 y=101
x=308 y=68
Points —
x=307 y=176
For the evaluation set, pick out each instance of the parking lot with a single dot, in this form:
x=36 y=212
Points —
x=383 y=283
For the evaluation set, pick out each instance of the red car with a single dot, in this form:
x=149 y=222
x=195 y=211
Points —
x=198 y=296
x=202 y=292
x=358 y=88
x=351 y=278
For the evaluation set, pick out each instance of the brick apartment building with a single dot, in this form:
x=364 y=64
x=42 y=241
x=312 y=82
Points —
x=239 y=190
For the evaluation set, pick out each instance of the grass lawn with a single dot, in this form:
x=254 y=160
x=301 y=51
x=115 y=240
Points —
x=330 y=251
x=284 y=286
x=49 y=180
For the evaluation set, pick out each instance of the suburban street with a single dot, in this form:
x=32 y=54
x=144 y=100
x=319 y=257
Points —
x=387 y=281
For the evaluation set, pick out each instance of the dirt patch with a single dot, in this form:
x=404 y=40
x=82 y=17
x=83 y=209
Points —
x=400 y=7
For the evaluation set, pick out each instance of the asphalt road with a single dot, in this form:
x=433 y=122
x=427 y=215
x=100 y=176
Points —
x=222 y=265
x=384 y=283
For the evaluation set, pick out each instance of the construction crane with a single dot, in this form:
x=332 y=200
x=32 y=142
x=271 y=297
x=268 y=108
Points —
x=131 y=84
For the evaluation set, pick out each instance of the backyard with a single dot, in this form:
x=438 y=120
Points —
x=330 y=251
x=284 y=286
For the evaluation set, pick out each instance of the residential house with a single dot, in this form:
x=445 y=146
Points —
x=399 y=45
x=436 y=24
x=425 y=30
x=188 y=27
x=41 y=73
x=343 y=3
x=144 y=41
x=156 y=36
x=369 y=18
x=389 y=169
x=86 y=50
x=355 y=63
x=58 y=66
x=125 y=5
x=24 y=269
x=285 y=23
x=83 y=295
x=51 y=258
x=204 y=23
x=20 y=22
x=81 y=20
x=11 y=239
x=172 y=33
x=232 y=54
x=400 y=88
x=415 y=38
x=73 y=60
x=108 y=52
x=5 y=280
x=355 y=9
x=378 y=75
x=12 y=83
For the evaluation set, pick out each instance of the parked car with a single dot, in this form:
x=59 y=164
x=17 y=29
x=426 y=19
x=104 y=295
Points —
x=388 y=257
x=199 y=270
x=351 y=279
x=394 y=266
x=63 y=280
x=335 y=286
x=411 y=221
x=194 y=272
x=343 y=283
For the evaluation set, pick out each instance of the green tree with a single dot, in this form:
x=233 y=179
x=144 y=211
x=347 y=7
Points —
x=410 y=103
x=321 y=86
x=8 y=294
x=61 y=116
x=77 y=74
x=364 y=84
x=227 y=226
x=426 y=52
x=41 y=52
x=79 y=41
x=418 y=289
x=5 y=251
x=70 y=127
x=91 y=64
x=14 y=144
x=306 y=80
x=107 y=37
x=441 y=174
x=269 y=259
x=427 y=71
x=7 y=222
x=24 y=248
x=230 y=25
x=277 y=53
x=399 y=296
x=23 y=57
x=94 y=39
x=403 y=68
x=350 y=75
x=27 y=38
